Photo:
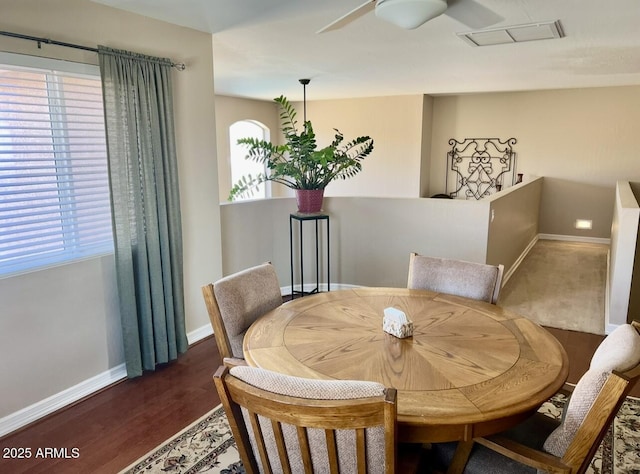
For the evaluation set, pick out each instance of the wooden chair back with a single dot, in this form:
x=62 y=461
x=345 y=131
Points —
x=235 y=301
x=269 y=415
x=595 y=425
x=455 y=277
x=219 y=332
x=589 y=434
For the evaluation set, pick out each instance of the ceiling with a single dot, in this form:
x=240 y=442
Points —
x=262 y=47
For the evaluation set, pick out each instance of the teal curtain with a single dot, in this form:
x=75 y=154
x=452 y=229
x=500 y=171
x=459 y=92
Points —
x=145 y=204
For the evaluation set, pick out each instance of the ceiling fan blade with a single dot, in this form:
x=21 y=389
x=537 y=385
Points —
x=349 y=17
x=471 y=14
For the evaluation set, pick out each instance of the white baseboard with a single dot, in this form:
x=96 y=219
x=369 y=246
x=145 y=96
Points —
x=71 y=395
x=44 y=407
x=575 y=238
x=199 y=334
x=508 y=274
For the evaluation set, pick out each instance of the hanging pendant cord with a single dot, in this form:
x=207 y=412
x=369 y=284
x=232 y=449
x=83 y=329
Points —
x=178 y=66
x=304 y=83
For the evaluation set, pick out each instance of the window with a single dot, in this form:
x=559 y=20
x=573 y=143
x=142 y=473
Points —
x=239 y=165
x=54 y=189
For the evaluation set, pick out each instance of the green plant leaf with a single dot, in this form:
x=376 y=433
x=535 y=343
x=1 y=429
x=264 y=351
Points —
x=298 y=164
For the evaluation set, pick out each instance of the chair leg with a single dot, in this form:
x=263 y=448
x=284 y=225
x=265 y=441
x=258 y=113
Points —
x=460 y=457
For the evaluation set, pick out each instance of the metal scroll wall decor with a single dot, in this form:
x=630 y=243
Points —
x=479 y=167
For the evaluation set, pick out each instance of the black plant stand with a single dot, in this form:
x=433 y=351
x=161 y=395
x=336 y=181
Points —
x=301 y=218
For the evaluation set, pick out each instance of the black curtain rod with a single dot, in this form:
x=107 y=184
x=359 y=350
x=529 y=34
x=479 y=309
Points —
x=178 y=66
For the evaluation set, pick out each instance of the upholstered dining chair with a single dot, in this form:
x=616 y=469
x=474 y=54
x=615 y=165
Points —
x=236 y=301
x=566 y=445
x=285 y=424
x=478 y=281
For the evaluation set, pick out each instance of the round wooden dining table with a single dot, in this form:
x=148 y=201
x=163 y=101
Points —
x=470 y=369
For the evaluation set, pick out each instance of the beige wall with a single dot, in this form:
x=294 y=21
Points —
x=513 y=223
x=394 y=123
x=255 y=232
x=582 y=141
x=60 y=327
x=230 y=110
x=371 y=238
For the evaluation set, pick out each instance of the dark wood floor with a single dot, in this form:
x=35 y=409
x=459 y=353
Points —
x=122 y=423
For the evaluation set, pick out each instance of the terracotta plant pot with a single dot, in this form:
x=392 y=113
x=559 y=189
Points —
x=309 y=200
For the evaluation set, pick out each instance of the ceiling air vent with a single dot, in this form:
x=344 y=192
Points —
x=514 y=34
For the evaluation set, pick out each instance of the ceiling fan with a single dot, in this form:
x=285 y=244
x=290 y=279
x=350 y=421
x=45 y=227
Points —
x=410 y=14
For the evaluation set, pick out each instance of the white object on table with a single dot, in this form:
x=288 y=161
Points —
x=396 y=323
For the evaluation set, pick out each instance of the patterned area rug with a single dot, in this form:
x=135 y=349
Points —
x=207 y=445
x=204 y=446
x=619 y=452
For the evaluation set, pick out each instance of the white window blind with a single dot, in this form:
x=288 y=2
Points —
x=54 y=190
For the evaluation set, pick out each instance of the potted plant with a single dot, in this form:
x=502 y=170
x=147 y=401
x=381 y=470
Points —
x=298 y=164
